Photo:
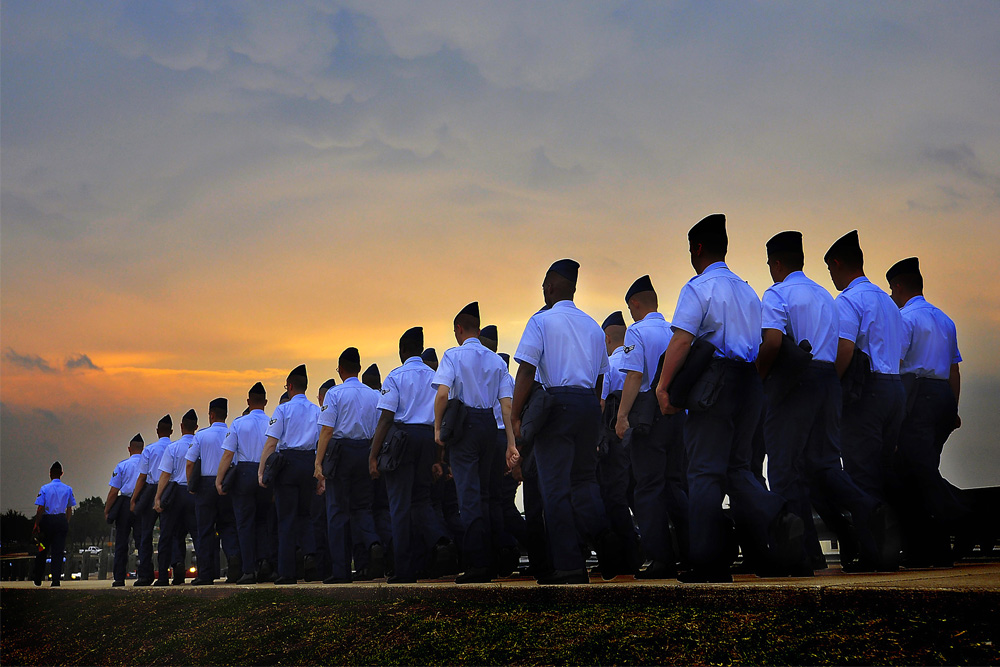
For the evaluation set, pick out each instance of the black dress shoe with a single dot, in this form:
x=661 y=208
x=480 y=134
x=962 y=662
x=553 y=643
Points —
x=376 y=566
x=116 y=584
x=310 y=570
x=477 y=575
x=142 y=582
x=198 y=581
x=363 y=575
x=658 y=569
x=248 y=578
x=178 y=580
x=704 y=577
x=285 y=581
x=337 y=580
x=401 y=580
x=55 y=584
x=161 y=582
x=558 y=577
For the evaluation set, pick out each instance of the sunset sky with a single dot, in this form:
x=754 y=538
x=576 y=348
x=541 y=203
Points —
x=199 y=195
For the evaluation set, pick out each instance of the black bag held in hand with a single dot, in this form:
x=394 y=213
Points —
x=697 y=363
x=789 y=365
x=194 y=480
x=167 y=497
x=392 y=449
x=535 y=415
x=145 y=500
x=644 y=413
x=453 y=421
x=855 y=377
x=229 y=479
x=272 y=466
x=116 y=508
x=331 y=458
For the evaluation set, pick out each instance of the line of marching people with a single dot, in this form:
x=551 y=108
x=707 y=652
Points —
x=627 y=439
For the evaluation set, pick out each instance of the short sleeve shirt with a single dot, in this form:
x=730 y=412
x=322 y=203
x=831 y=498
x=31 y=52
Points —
x=565 y=345
x=295 y=424
x=721 y=307
x=803 y=310
x=246 y=437
x=149 y=464
x=351 y=410
x=473 y=374
x=174 y=459
x=125 y=475
x=207 y=446
x=407 y=392
x=55 y=497
x=615 y=379
x=869 y=319
x=930 y=341
x=645 y=343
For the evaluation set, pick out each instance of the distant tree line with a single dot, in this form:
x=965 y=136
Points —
x=87 y=527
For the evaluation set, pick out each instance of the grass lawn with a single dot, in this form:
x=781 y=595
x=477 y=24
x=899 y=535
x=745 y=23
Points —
x=273 y=627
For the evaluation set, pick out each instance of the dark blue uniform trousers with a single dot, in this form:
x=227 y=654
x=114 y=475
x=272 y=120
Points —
x=566 y=459
x=416 y=527
x=320 y=526
x=349 y=496
x=614 y=475
x=802 y=434
x=251 y=505
x=502 y=538
x=145 y=522
x=214 y=514
x=54 y=528
x=719 y=448
x=472 y=458
x=293 y=493
x=535 y=541
x=126 y=529
x=659 y=464
x=176 y=523
x=926 y=427
x=869 y=434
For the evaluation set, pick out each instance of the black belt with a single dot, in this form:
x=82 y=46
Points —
x=821 y=364
x=580 y=391
x=479 y=411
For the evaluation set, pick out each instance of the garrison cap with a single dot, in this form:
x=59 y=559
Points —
x=246 y=411
x=848 y=243
x=56 y=468
x=910 y=265
x=284 y=398
x=709 y=227
x=785 y=242
x=257 y=390
x=430 y=354
x=489 y=331
x=137 y=438
x=219 y=404
x=326 y=385
x=615 y=319
x=299 y=370
x=166 y=421
x=506 y=358
x=372 y=377
x=643 y=284
x=350 y=356
x=415 y=335
x=566 y=268
x=471 y=309
x=190 y=416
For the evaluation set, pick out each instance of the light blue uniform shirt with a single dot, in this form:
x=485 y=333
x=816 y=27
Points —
x=507 y=384
x=407 y=392
x=566 y=345
x=208 y=445
x=174 y=459
x=870 y=320
x=645 y=342
x=474 y=374
x=149 y=464
x=721 y=306
x=246 y=437
x=125 y=474
x=615 y=379
x=295 y=424
x=351 y=409
x=930 y=342
x=800 y=308
x=55 y=497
